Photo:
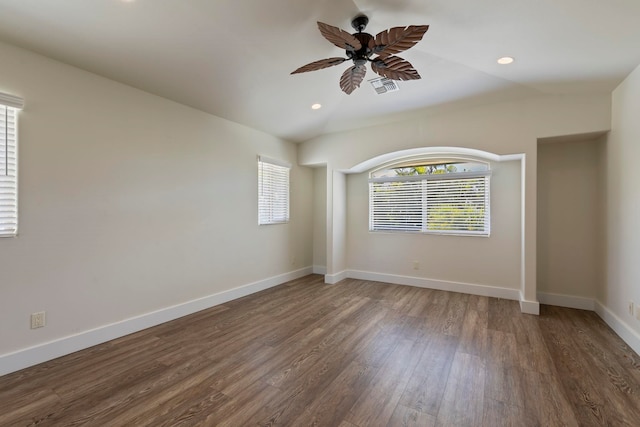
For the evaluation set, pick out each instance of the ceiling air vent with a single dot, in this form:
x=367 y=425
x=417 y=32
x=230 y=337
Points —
x=384 y=85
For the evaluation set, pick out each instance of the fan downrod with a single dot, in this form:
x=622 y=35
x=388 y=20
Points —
x=360 y=22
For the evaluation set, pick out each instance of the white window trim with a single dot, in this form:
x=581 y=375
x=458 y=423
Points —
x=424 y=209
x=9 y=169
x=11 y=101
x=274 y=190
x=435 y=177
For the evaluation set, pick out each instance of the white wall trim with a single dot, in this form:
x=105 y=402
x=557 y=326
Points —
x=332 y=279
x=319 y=269
x=570 y=301
x=443 y=285
x=11 y=101
x=430 y=151
x=628 y=335
x=24 y=358
x=529 y=307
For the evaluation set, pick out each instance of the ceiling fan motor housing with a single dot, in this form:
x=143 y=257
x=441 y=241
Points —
x=362 y=55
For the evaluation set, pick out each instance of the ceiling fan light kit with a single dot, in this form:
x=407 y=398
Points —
x=360 y=47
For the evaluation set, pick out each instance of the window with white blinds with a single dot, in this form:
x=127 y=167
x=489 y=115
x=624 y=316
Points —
x=273 y=191
x=444 y=202
x=9 y=106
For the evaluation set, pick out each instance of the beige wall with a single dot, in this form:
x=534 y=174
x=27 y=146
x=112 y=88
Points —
x=492 y=261
x=623 y=205
x=501 y=128
x=568 y=218
x=130 y=203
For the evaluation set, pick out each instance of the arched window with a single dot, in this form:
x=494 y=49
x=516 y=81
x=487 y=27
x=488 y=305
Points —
x=443 y=196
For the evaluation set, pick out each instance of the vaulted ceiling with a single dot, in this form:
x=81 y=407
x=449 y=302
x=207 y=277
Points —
x=232 y=58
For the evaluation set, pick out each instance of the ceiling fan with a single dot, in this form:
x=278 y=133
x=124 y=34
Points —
x=360 y=47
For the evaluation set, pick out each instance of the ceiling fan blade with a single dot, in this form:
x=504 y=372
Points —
x=398 y=39
x=338 y=37
x=394 y=68
x=319 y=65
x=352 y=78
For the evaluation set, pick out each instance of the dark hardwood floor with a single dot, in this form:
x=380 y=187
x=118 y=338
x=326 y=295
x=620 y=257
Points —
x=353 y=354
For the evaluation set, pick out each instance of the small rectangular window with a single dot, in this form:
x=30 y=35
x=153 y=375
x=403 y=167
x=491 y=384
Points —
x=273 y=191
x=9 y=106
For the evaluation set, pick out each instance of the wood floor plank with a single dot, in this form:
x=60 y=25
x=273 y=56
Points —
x=407 y=417
x=237 y=410
x=533 y=353
x=31 y=409
x=332 y=405
x=473 y=336
x=193 y=411
x=504 y=383
x=435 y=318
x=129 y=398
x=418 y=306
x=463 y=399
x=303 y=359
x=544 y=402
x=426 y=386
x=497 y=413
x=456 y=309
x=501 y=314
x=183 y=408
x=380 y=398
x=95 y=398
x=356 y=354
x=298 y=391
x=292 y=401
x=479 y=303
x=502 y=348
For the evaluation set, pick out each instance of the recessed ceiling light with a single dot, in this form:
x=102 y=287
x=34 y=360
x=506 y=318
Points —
x=505 y=60
x=316 y=106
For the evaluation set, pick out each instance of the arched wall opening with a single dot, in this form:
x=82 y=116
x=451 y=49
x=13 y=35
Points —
x=489 y=266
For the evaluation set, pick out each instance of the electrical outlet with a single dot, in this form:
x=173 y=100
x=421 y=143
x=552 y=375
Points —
x=416 y=265
x=38 y=320
x=631 y=308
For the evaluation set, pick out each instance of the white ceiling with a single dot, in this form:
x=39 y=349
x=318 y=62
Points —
x=232 y=58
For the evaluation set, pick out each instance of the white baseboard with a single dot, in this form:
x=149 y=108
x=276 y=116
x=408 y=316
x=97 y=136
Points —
x=319 y=269
x=332 y=279
x=529 y=307
x=24 y=358
x=443 y=285
x=568 y=301
x=628 y=335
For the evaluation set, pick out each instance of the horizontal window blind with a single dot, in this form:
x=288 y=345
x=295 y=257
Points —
x=8 y=170
x=449 y=204
x=396 y=205
x=273 y=191
x=458 y=205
